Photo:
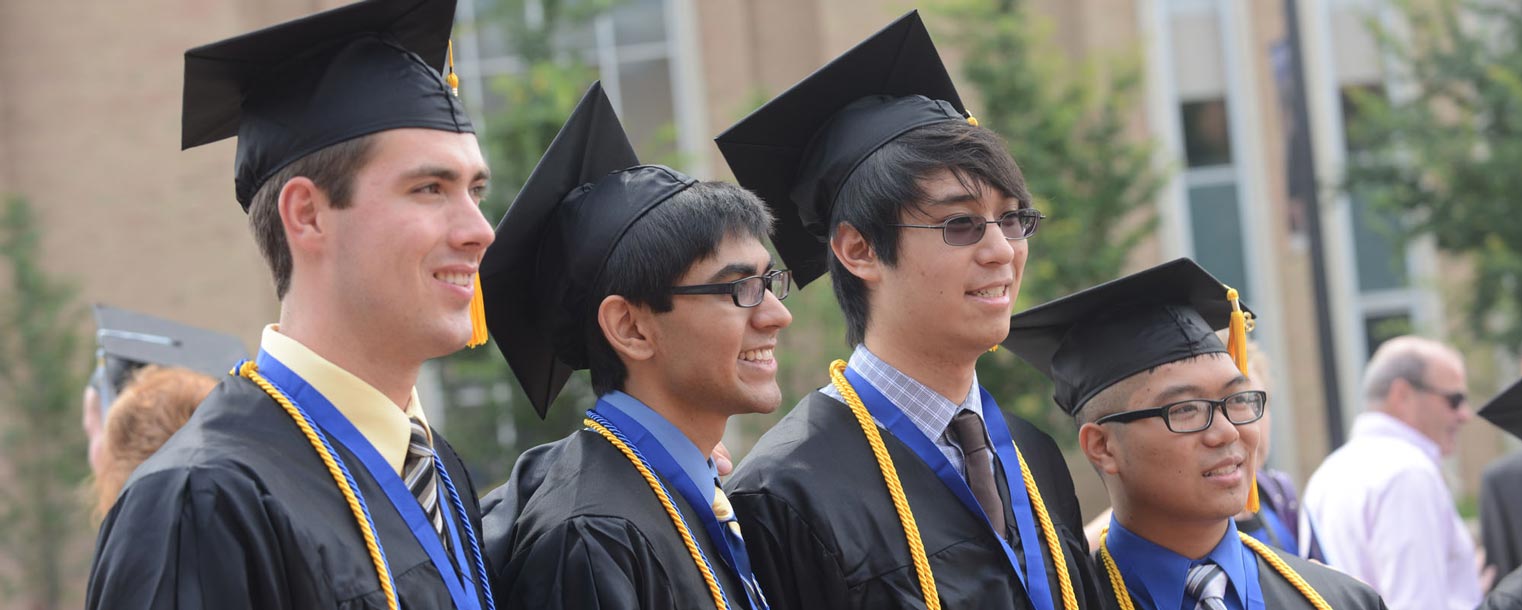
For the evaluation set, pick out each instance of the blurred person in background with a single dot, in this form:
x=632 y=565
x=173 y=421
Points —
x=1505 y=411
x=1501 y=508
x=157 y=402
x=1384 y=513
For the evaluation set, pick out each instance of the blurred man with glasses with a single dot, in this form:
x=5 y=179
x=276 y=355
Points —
x=1170 y=421
x=901 y=483
x=1381 y=501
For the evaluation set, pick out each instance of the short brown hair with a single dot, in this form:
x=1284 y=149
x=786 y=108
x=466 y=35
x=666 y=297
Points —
x=332 y=169
x=156 y=403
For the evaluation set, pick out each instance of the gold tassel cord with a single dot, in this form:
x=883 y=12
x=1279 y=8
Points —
x=895 y=487
x=906 y=515
x=478 y=334
x=250 y=371
x=1118 y=584
x=671 y=511
x=452 y=78
x=1236 y=347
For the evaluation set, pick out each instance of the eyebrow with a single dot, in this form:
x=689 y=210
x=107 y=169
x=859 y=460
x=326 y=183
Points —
x=444 y=173
x=1173 y=392
x=739 y=269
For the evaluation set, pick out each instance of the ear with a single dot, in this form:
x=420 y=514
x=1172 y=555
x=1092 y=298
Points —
x=1097 y=445
x=301 y=204
x=627 y=328
x=855 y=254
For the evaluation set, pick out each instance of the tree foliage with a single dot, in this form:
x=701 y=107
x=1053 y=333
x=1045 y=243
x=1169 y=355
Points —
x=43 y=449
x=1442 y=153
x=1067 y=126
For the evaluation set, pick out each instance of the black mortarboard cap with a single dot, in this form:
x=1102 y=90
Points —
x=128 y=340
x=1505 y=410
x=551 y=246
x=796 y=151
x=1087 y=341
x=292 y=89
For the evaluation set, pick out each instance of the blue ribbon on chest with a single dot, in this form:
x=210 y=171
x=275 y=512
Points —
x=891 y=417
x=333 y=423
x=659 y=459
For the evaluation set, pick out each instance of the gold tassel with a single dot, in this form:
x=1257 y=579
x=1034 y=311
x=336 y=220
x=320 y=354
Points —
x=1236 y=347
x=478 y=332
x=451 y=78
x=1236 y=342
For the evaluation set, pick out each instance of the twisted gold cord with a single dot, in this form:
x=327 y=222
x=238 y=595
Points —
x=1118 y=584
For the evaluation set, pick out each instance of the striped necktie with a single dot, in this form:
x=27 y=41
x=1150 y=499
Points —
x=418 y=473
x=1206 y=584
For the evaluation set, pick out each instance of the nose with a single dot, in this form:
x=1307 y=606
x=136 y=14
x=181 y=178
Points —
x=995 y=249
x=471 y=230
x=1221 y=431
x=771 y=314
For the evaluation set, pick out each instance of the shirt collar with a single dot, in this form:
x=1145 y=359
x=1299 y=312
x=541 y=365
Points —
x=1375 y=424
x=378 y=419
x=929 y=411
x=687 y=455
x=1158 y=574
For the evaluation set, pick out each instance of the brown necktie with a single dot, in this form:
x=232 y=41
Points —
x=968 y=429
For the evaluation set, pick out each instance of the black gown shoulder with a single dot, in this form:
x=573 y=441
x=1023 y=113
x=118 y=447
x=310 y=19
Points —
x=237 y=511
x=576 y=526
x=823 y=532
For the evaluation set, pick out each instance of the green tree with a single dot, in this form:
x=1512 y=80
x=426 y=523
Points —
x=1443 y=156
x=43 y=450
x=490 y=420
x=1067 y=127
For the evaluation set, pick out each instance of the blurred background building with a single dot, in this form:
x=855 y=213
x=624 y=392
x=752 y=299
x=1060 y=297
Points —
x=1237 y=158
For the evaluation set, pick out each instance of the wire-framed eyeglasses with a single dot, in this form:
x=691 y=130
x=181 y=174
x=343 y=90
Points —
x=967 y=230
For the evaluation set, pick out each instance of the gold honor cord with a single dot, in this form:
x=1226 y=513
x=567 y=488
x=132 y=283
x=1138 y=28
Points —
x=906 y=515
x=1118 y=584
x=676 y=517
x=251 y=372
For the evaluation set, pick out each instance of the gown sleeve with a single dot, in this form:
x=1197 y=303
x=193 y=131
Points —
x=795 y=568
x=187 y=538
x=585 y=563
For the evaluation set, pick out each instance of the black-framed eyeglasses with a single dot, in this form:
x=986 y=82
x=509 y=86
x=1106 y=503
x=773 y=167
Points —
x=1455 y=399
x=1195 y=415
x=746 y=291
x=968 y=230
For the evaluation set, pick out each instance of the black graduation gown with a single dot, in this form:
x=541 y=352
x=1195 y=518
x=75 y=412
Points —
x=1341 y=592
x=1507 y=595
x=577 y=527
x=822 y=531
x=237 y=511
x=1500 y=521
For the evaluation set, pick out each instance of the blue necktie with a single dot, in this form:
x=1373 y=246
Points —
x=736 y=543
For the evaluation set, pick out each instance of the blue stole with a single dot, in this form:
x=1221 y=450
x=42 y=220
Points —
x=328 y=421
x=649 y=448
x=892 y=418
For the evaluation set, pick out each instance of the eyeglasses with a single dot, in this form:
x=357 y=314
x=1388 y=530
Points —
x=748 y=291
x=1455 y=399
x=968 y=230
x=1195 y=415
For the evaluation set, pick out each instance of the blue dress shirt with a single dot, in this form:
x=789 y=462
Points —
x=1156 y=575
x=687 y=455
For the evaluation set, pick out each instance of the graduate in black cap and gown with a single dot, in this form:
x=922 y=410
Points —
x=310 y=477
x=662 y=286
x=901 y=483
x=1505 y=411
x=1170 y=421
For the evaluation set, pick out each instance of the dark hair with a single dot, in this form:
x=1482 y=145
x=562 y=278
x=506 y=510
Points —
x=332 y=169
x=659 y=249
x=890 y=180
